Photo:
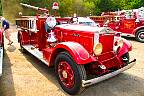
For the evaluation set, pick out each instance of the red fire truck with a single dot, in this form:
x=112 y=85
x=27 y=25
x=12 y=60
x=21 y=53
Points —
x=81 y=55
x=1 y=50
x=129 y=22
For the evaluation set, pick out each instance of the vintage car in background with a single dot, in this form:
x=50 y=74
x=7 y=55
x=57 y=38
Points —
x=1 y=50
x=129 y=22
x=81 y=55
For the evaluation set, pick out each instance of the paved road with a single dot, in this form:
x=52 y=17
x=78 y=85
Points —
x=24 y=75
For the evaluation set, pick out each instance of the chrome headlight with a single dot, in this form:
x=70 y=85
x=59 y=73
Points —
x=98 y=49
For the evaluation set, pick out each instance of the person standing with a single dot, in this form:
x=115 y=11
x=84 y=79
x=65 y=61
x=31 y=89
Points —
x=5 y=28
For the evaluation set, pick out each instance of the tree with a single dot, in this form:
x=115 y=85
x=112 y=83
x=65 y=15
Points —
x=89 y=8
x=0 y=8
x=85 y=7
x=65 y=7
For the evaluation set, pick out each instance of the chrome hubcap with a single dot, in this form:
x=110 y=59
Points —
x=64 y=73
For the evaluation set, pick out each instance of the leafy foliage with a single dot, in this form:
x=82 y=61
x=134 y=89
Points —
x=85 y=7
x=0 y=8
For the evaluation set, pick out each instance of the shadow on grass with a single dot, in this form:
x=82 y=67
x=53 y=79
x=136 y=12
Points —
x=6 y=80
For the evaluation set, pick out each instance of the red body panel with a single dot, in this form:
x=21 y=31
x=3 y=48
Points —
x=108 y=59
x=78 y=52
x=138 y=28
x=107 y=41
x=80 y=37
x=78 y=41
x=41 y=34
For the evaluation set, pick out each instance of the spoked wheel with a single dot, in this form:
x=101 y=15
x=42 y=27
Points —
x=140 y=36
x=69 y=74
x=66 y=74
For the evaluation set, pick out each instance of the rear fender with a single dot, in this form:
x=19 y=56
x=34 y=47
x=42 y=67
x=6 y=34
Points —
x=77 y=51
x=136 y=30
x=127 y=46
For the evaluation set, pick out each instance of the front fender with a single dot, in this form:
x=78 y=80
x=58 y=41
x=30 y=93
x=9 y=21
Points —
x=127 y=46
x=77 y=51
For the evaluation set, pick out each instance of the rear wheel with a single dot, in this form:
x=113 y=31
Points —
x=21 y=47
x=69 y=74
x=140 y=36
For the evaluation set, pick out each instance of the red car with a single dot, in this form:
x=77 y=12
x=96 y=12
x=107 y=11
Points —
x=1 y=50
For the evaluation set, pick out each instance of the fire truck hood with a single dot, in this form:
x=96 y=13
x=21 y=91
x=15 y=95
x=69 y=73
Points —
x=84 y=28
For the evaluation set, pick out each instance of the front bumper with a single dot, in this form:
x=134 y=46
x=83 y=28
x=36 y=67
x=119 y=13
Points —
x=107 y=76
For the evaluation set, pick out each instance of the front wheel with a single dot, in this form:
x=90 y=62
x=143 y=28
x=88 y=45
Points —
x=140 y=36
x=69 y=74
